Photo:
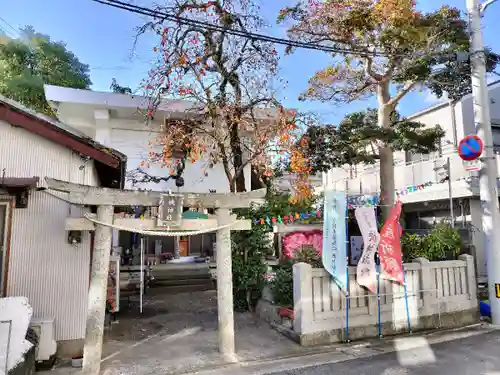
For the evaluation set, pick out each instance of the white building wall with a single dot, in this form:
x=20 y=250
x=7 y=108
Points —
x=134 y=144
x=132 y=139
x=43 y=267
x=468 y=111
x=457 y=121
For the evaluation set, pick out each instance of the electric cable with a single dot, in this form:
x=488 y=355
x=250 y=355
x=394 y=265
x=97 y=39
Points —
x=250 y=35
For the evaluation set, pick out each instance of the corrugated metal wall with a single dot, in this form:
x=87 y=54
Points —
x=43 y=266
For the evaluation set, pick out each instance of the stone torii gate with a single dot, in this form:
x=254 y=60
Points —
x=106 y=199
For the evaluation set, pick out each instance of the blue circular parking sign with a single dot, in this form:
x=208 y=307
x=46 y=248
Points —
x=470 y=148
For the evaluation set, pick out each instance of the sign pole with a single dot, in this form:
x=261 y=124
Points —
x=142 y=275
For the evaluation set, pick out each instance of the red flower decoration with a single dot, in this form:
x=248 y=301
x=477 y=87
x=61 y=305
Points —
x=295 y=241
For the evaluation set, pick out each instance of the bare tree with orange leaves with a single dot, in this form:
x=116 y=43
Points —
x=235 y=119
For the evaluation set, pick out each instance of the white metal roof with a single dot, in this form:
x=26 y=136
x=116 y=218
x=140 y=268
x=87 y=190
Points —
x=111 y=100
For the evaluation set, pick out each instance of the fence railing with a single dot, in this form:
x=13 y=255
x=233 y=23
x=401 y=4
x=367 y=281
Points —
x=432 y=289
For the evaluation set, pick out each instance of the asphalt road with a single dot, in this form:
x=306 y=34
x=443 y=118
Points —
x=476 y=355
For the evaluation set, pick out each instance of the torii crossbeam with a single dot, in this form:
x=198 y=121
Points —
x=105 y=199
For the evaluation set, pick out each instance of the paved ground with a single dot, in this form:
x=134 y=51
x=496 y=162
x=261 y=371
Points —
x=178 y=333
x=476 y=355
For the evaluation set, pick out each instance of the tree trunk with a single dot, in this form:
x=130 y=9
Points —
x=387 y=186
x=235 y=141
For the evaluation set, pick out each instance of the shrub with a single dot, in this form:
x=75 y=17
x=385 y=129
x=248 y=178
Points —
x=249 y=249
x=282 y=283
x=442 y=242
x=308 y=254
x=413 y=246
x=282 y=286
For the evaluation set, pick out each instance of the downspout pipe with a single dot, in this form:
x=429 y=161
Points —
x=452 y=104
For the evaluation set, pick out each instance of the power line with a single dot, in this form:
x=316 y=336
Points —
x=245 y=34
x=11 y=34
x=16 y=32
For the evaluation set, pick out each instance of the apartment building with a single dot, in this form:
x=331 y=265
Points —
x=436 y=186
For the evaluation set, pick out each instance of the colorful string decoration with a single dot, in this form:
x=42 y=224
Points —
x=288 y=219
x=372 y=200
x=367 y=200
x=415 y=188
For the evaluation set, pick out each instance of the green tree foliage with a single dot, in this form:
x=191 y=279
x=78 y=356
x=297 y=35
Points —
x=32 y=60
x=357 y=138
x=387 y=48
x=115 y=87
x=250 y=248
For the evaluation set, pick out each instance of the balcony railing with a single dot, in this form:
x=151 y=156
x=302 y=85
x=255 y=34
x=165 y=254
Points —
x=367 y=180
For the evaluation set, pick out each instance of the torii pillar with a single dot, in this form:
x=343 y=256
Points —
x=92 y=350
x=106 y=199
x=225 y=287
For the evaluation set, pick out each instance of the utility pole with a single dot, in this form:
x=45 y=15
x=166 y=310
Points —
x=488 y=173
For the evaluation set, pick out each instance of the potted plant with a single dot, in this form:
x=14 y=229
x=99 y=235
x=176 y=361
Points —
x=77 y=361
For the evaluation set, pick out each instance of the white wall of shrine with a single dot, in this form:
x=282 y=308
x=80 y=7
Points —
x=114 y=120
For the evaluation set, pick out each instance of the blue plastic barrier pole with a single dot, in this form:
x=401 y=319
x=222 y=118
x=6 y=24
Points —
x=379 y=323
x=406 y=298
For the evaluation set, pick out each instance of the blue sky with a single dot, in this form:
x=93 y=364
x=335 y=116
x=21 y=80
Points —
x=103 y=37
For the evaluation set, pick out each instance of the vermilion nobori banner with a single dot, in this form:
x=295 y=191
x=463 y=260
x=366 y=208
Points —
x=389 y=248
x=366 y=272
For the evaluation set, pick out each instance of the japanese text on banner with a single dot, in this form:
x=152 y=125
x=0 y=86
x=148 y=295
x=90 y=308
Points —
x=366 y=270
x=334 y=256
x=389 y=248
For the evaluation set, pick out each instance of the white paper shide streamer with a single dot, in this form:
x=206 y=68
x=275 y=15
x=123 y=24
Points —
x=366 y=270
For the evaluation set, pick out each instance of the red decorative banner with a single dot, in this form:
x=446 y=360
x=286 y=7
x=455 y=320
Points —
x=389 y=248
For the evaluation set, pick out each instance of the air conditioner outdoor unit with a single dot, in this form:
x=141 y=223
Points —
x=47 y=346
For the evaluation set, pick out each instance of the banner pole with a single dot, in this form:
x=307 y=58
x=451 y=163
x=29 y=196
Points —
x=379 y=324
x=141 y=291
x=347 y=297
x=377 y=265
x=406 y=298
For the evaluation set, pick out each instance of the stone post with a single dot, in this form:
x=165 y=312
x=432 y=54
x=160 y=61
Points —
x=97 y=293
x=427 y=285
x=225 y=287
x=302 y=297
x=177 y=247
x=471 y=275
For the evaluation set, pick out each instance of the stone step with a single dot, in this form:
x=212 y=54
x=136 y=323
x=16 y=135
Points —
x=175 y=289
x=184 y=281
x=166 y=274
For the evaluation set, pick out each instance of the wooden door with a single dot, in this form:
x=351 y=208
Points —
x=183 y=247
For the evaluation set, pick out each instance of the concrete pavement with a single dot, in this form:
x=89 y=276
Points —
x=178 y=335
x=470 y=350
x=476 y=355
